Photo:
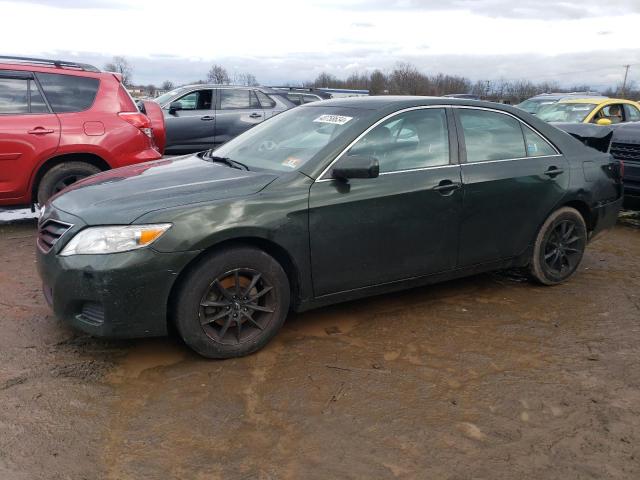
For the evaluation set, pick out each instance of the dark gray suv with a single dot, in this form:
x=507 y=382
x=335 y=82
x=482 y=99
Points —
x=199 y=117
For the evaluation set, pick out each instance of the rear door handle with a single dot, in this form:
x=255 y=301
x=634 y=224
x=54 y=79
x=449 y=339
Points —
x=40 y=131
x=255 y=115
x=447 y=187
x=553 y=171
x=207 y=118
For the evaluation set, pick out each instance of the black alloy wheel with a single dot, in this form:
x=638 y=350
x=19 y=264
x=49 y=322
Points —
x=232 y=302
x=559 y=247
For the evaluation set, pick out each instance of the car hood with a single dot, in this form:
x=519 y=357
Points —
x=627 y=133
x=120 y=196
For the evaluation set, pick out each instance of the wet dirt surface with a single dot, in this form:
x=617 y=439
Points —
x=489 y=377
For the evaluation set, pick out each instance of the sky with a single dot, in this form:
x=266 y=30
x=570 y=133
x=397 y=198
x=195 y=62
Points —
x=290 y=41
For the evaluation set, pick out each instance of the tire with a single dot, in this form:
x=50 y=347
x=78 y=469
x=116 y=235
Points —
x=559 y=247
x=232 y=303
x=61 y=176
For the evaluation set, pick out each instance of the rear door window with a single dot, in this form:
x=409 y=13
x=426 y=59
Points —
x=232 y=99
x=536 y=145
x=491 y=136
x=68 y=93
x=14 y=95
x=633 y=114
x=36 y=100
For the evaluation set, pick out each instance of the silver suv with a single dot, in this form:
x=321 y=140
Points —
x=199 y=117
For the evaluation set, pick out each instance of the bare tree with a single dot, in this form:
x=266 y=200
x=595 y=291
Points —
x=167 y=85
x=247 y=79
x=218 y=75
x=122 y=66
x=378 y=83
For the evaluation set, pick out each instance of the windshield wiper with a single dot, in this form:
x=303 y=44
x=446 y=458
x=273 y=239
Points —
x=225 y=160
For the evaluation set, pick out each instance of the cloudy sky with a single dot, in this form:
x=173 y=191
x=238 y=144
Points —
x=568 y=41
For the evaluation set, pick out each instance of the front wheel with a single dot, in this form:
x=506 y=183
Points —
x=559 y=247
x=232 y=303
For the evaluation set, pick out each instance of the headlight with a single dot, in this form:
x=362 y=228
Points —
x=101 y=240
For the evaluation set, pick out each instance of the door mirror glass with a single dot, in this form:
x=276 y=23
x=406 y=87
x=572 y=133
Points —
x=356 y=166
x=175 y=106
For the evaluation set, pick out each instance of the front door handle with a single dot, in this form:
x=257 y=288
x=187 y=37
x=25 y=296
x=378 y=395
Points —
x=40 y=131
x=207 y=118
x=255 y=115
x=553 y=171
x=447 y=187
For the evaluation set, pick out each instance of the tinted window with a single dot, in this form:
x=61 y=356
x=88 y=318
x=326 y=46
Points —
x=235 y=99
x=536 y=145
x=199 y=100
x=14 y=95
x=491 y=136
x=633 y=114
x=309 y=98
x=265 y=101
x=410 y=140
x=67 y=93
x=37 y=102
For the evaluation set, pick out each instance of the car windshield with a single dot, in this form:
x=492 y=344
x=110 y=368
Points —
x=164 y=98
x=288 y=140
x=566 y=112
x=532 y=106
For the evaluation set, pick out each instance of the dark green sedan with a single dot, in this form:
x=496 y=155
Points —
x=327 y=202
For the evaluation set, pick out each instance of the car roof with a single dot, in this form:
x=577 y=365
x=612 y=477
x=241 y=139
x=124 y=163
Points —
x=49 y=66
x=596 y=100
x=401 y=101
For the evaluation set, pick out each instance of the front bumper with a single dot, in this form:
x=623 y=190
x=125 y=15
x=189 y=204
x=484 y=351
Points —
x=121 y=295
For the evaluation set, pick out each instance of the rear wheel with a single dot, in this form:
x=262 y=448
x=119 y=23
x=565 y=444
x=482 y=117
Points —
x=61 y=176
x=232 y=303
x=559 y=247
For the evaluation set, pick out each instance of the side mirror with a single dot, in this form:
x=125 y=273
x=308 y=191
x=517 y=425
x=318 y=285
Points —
x=174 y=107
x=604 y=122
x=356 y=166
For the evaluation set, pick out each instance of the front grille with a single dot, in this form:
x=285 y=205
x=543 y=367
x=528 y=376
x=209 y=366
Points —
x=50 y=232
x=627 y=152
x=92 y=313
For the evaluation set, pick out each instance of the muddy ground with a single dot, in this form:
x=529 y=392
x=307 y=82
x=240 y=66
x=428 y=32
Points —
x=489 y=377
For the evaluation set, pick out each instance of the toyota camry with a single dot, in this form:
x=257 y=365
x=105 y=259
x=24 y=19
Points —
x=324 y=203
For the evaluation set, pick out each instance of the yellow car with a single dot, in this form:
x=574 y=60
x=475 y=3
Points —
x=591 y=110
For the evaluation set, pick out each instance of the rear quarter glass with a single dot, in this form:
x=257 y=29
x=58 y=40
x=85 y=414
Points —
x=68 y=93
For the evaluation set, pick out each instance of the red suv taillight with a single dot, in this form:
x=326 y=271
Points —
x=141 y=122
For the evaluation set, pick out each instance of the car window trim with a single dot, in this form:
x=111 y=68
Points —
x=321 y=178
x=463 y=147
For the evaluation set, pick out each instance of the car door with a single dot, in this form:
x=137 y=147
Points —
x=237 y=110
x=400 y=225
x=191 y=127
x=29 y=132
x=512 y=178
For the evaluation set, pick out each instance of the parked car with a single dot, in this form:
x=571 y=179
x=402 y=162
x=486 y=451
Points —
x=63 y=121
x=533 y=104
x=199 y=117
x=605 y=111
x=300 y=95
x=326 y=202
x=625 y=146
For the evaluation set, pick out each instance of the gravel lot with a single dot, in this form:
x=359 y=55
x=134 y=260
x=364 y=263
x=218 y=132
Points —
x=489 y=377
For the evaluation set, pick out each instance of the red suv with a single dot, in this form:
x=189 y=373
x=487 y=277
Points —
x=63 y=121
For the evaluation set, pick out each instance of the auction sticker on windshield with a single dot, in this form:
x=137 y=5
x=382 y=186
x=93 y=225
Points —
x=335 y=119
